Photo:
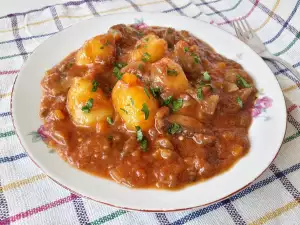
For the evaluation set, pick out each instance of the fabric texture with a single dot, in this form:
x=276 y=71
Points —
x=27 y=196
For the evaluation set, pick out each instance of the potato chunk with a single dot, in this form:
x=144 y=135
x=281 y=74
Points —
x=131 y=100
x=149 y=49
x=100 y=49
x=78 y=96
x=167 y=74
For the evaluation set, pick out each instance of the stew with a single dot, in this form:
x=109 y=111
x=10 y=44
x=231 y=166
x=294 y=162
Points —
x=148 y=107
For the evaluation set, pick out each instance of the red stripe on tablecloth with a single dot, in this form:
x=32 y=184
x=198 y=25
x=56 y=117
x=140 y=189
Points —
x=39 y=209
x=243 y=17
x=9 y=72
x=291 y=108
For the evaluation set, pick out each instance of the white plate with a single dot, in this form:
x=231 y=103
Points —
x=266 y=132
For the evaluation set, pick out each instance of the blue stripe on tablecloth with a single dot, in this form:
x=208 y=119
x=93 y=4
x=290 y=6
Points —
x=274 y=16
x=92 y=8
x=135 y=6
x=12 y=158
x=27 y=38
x=5 y=114
x=237 y=196
x=14 y=24
x=71 y=3
x=80 y=210
x=285 y=24
x=236 y=217
x=285 y=70
x=162 y=218
x=175 y=8
x=218 y=13
x=14 y=55
x=206 y=3
x=57 y=21
x=4 y=211
x=285 y=182
x=293 y=121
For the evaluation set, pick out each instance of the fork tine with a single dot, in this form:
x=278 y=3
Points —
x=237 y=31
x=242 y=33
x=249 y=28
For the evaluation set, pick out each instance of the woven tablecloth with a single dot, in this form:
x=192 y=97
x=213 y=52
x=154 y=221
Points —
x=28 y=196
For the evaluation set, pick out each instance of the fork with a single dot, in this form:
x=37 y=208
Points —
x=245 y=33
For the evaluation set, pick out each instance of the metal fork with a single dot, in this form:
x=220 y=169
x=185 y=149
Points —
x=245 y=33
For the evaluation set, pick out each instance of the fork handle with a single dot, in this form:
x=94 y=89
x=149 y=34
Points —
x=284 y=63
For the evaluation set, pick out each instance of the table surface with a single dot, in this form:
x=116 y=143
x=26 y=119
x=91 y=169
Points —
x=13 y=6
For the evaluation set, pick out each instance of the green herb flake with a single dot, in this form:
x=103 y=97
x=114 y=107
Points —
x=120 y=65
x=174 y=128
x=95 y=85
x=196 y=58
x=155 y=92
x=242 y=82
x=146 y=57
x=124 y=110
x=186 y=49
x=206 y=76
x=138 y=46
x=117 y=73
x=177 y=104
x=69 y=65
x=145 y=110
x=110 y=137
x=146 y=39
x=239 y=101
x=199 y=93
x=132 y=101
x=107 y=43
x=172 y=72
x=140 y=66
x=88 y=106
x=169 y=30
x=109 y=120
x=168 y=100
x=139 y=133
x=141 y=139
x=147 y=92
x=144 y=145
x=140 y=34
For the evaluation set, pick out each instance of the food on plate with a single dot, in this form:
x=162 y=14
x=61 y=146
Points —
x=148 y=107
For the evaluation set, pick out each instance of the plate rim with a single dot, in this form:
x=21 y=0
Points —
x=129 y=208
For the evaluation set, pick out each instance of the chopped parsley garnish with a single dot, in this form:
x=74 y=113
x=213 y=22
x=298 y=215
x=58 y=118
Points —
x=145 y=110
x=139 y=133
x=132 y=101
x=88 y=106
x=177 y=104
x=199 y=93
x=242 y=82
x=124 y=110
x=138 y=46
x=105 y=44
x=139 y=33
x=206 y=76
x=174 y=128
x=140 y=66
x=155 y=91
x=69 y=65
x=110 y=137
x=95 y=85
x=147 y=92
x=186 y=49
x=196 y=58
x=141 y=139
x=169 y=30
x=146 y=57
x=172 y=72
x=146 y=39
x=239 y=101
x=144 y=144
x=109 y=120
x=168 y=100
x=117 y=69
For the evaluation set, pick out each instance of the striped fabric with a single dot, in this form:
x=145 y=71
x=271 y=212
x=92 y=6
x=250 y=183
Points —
x=27 y=196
